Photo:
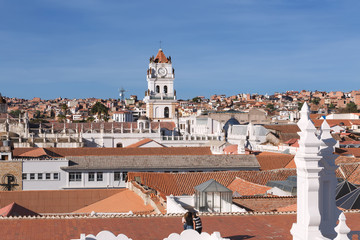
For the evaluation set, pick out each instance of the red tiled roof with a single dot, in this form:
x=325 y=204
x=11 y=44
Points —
x=143 y=142
x=270 y=160
x=246 y=188
x=332 y=122
x=183 y=183
x=39 y=152
x=291 y=164
x=264 y=204
x=15 y=210
x=257 y=227
x=64 y=152
x=121 y=202
x=56 y=201
x=289 y=208
x=283 y=128
x=231 y=149
x=351 y=151
x=160 y=57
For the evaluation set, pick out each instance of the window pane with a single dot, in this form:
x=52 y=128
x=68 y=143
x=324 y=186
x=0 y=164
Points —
x=48 y=176
x=99 y=176
x=116 y=176
x=40 y=175
x=71 y=176
x=91 y=176
x=32 y=175
x=24 y=176
x=78 y=177
x=56 y=175
x=124 y=176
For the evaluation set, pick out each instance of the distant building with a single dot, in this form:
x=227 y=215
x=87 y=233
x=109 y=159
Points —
x=160 y=96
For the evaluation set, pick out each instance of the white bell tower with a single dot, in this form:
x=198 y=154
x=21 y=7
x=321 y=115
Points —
x=160 y=97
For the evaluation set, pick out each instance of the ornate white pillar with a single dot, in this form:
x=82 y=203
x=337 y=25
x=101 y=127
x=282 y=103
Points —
x=328 y=210
x=308 y=181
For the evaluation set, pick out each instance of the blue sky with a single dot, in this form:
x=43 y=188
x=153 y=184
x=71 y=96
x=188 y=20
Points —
x=90 y=48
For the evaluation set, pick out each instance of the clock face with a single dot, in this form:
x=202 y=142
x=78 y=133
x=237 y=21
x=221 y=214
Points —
x=162 y=71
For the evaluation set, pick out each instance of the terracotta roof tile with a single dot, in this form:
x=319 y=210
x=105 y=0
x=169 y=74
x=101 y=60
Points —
x=56 y=201
x=184 y=183
x=264 y=204
x=160 y=57
x=64 y=152
x=143 y=142
x=270 y=160
x=246 y=188
x=121 y=202
x=15 y=209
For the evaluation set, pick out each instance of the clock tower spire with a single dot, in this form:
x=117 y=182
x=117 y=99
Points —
x=160 y=96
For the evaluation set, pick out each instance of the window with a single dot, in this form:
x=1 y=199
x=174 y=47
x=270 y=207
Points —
x=166 y=112
x=56 y=176
x=74 y=176
x=32 y=176
x=157 y=89
x=116 y=176
x=99 y=176
x=119 y=145
x=47 y=176
x=124 y=176
x=24 y=176
x=40 y=175
x=91 y=177
x=165 y=89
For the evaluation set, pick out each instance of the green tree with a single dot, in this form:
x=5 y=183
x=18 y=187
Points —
x=90 y=119
x=61 y=117
x=351 y=108
x=270 y=106
x=316 y=101
x=300 y=104
x=64 y=107
x=15 y=113
x=100 y=110
x=196 y=99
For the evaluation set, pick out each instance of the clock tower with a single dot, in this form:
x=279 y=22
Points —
x=160 y=97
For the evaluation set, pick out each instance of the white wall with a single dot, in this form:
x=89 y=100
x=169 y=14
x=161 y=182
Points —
x=106 y=182
x=43 y=167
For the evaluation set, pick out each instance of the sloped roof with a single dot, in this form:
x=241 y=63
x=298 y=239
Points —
x=211 y=186
x=16 y=210
x=39 y=152
x=343 y=188
x=144 y=142
x=283 y=128
x=146 y=162
x=160 y=57
x=350 y=200
x=246 y=188
x=271 y=160
x=65 y=152
x=263 y=203
x=183 y=183
x=121 y=202
x=55 y=201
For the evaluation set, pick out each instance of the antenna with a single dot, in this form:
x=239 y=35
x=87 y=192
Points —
x=121 y=94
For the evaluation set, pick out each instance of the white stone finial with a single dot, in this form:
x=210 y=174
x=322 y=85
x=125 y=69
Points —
x=304 y=116
x=342 y=229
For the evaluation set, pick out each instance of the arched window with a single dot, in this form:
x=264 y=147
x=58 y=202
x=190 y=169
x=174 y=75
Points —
x=165 y=89
x=141 y=125
x=119 y=145
x=157 y=89
x=166 y=112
